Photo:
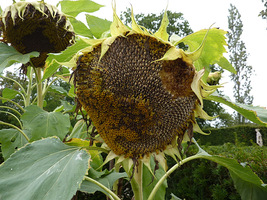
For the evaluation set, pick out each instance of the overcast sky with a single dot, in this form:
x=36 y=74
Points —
x=201 y=14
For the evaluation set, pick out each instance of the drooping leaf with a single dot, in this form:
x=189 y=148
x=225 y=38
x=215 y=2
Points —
x=80 y=130
x=44 y=124
x=73 y=8
x=9 y=94
x=46 y=169
x=225 y=64
x=9 y=56
x=58 y=89
x=11 y=140
x=213 y=49
x=107 y=181
x=97 y=25
x=255 y=114
x=149 y=182
x=247 y=183
x=80 y=28
x=96 y=158
x=175 y=197
x=65 y=56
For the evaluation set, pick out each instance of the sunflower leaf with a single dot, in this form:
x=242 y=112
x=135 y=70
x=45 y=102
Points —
x=11 y=139
x=46 y=169
x=73 y=8
x=97 y=25
x=106 y=180
x=149 y=181
x=44 y=124
x=80 y=28
x=213 y=49
x=247 y=183
x=9 y=56
x=255 y=114
x=9 y=94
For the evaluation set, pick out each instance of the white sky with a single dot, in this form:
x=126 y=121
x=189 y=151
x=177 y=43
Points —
x=201 y=14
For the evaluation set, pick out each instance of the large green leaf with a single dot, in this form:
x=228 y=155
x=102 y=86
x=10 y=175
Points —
x=11 y=140
x=97 y=25
x=106 y=180
x=80 y=28
x=255 y=114
x=9 y=56
x=44 y=124
x=213 y=47
x=64 y=56
x=46 y=169
x=247 y=183
x=73 y=8
x=9 y=94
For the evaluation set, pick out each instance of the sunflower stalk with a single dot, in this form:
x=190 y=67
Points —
x=112 y=194
x=38 y=72
x=29 y=89
x=13 y=126
x=137 y=181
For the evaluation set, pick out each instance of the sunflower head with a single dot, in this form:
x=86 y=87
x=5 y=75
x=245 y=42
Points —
x=141 y=93
x=36 y=26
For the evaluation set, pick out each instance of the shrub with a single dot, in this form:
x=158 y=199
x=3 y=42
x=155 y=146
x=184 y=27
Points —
x=243 y=134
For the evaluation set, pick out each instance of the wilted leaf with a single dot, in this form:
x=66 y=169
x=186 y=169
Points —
x=9 y=56
x=11 y=140
x=44 y=124
x=97 y=25
x=9 y=94
x=46 y=169
x=73 y=8
x=255 y=114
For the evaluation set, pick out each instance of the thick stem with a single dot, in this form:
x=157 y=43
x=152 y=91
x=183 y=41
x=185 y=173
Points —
x=39 y=87
x=29 y=89
x=137 y=181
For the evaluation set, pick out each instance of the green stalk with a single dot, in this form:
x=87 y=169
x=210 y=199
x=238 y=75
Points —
x=40 y=99
x=6 y=99
x=29 y=89
x=14 y=110
x=103 y=187
x=9 y=113
x=163 y=178
x=22 y=89
x=137 y=182
x=11 y=125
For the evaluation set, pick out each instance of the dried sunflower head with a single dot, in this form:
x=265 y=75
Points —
x=36 y=26
x=139 y=90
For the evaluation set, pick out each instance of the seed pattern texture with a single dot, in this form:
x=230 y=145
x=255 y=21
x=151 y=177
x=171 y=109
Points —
x=137 y=103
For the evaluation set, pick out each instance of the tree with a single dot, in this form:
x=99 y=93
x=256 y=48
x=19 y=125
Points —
x=263 y=13
x=177 y=24
x=238 y=58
